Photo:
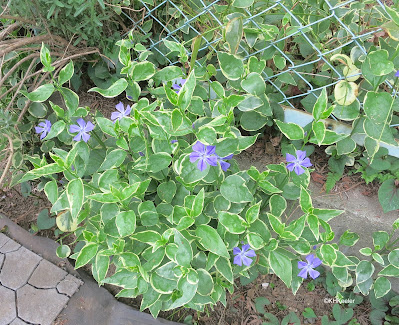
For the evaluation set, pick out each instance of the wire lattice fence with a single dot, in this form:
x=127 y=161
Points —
x=191 y=14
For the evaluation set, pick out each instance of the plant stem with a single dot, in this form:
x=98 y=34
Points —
x=99 y=140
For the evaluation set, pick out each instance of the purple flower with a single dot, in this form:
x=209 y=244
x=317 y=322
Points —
x=141 y=154
x=397 y=74
x=43 y=128
x=223 y=164
x=122 y=113
x=83 y=130
x=173 y=141
x=177 y=84
x=242 y=256
x=205 y=155
x=297 y=163
x=312 y=263
x=130 y=97
x=314 y=247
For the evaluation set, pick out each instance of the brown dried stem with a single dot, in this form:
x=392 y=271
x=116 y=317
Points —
x=18 y=19
x=30 y=56
x=9 y=29
x=8 y=165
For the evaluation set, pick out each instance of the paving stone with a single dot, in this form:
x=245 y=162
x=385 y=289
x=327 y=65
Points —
x=39 y=306
x=1 y=260
x=18 y=267
x=18 y=321
x=69 y=285
x=10 y=246
x=7 y=306
x=3 y=239
x=46 y=275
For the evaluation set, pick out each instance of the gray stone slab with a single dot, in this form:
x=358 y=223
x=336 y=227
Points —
x=18 y=321
x=47 y=275
x=39 y=306
x=1 y=260
x=7 y=306
x=10 y=246
x=69 y=285
x=18 y=267
x=3 y=239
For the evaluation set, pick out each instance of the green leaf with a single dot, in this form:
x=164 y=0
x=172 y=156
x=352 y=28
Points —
x=114 y=90
x=51 y=190
x=168 y=74
x=233 y=34
x=231 y=66
x=66 y=73
x=328 y=254
x=41 y=94
x=381 y=287
x=189 y=171
x=388 y=195
x=393 y=257
x=249 y=103
x=205 y=282
x=242 y=3
x=65 y=222
x=345 y=146
x=126 y=223
x=291 y=130
x=252 y=213
x=106 y=126
x=63 y=251
x=390 y=270
x=166 y=191
x=159 y=161
x=186 y=92
x=348 y=238
x=38 y=110
x=206 y=135
x=198 y=204
x=319 y=130
x=345 y=92
x=56 y=129
x=43 y=220
x=141 y=71
x=224 y=268
x=305 y=200
x=321 y=105
x=184 y=254
x=232 y=222
x=86 y=254
x=380 y=239
x=75 y=194
x=380 y=64
x=254 y=84
x=235 y=190
x=114 y=158
x=281 y=266
x=100 y=267
x=277 y=205
x=177 y=119
x=210 y=239
x=364 y=270
x=279 y=62
x=187 y=290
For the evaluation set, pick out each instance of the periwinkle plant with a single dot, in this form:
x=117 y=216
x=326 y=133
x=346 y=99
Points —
x=155 y=196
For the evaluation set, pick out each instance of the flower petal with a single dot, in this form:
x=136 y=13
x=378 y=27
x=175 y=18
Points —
x=120 y=107
x=48 y=125
x=194 y=156
x=74 y=128
x=302 y=264
x=212 y=160
x=306 y=163
x=43 y=135
x=199 y=147
x=301 y=154
x=303 y=273
x=246 y=261
x=224 y=165
x=236 y=250
x=202 y=164
x=128 y=110
x=250 y=253
x=313 y=273
x=289 y=157
x=115 y=116
x=310 y=258
x=38 y=129
x=291 y=166
x=210 y=150
x=299 y=170
x=245 y=247
x=176 y=87
x=85 y=136
x=78 y=137
x=228 y=157
x=238 y=260
x=81 y=123
x=316 y=262
x=89 y=127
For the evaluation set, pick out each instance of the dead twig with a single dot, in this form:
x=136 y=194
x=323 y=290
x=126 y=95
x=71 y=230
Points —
x=8 y=165
x=21 y=83
x=18 y=19
x=9 y=29
x=30 y=56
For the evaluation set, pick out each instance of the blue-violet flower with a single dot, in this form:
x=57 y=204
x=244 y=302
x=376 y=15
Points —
x=204 y=155
x=308 y=267
x=397 y=74
x=225 y=165
x=43 y=128
x=82 y=128
x=121 y=112
x=242 y=256
x=177 y=84
x=296 y=163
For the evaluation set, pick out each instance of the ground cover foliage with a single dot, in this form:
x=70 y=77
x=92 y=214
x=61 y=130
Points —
x=155 y=191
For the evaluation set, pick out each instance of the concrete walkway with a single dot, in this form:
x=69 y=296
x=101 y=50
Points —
x=39 y=288
x=32 y=290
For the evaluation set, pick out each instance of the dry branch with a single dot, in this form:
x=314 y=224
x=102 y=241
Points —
x=8 y=165
x=9 y=29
